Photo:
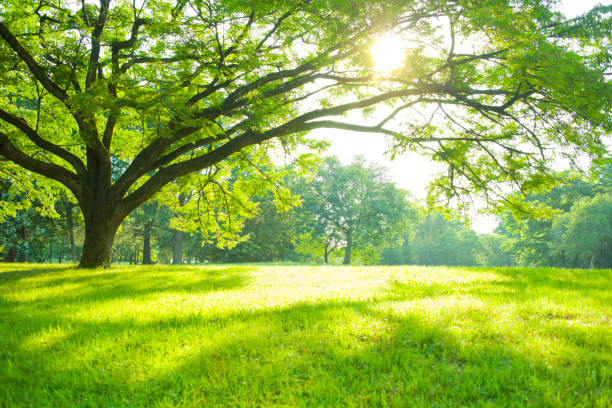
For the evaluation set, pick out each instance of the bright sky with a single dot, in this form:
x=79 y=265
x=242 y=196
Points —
x=411 y=171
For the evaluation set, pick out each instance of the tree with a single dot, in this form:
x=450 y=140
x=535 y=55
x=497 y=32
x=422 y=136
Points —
x=66 y=209
x=439 y=241
x=177 y=238
x=589 y=229
x=196 y=87
x=354 y=206
x=31 y=230
x=535 y=239
x=270 y=237
x=542 y=240
x=493 y=251
x=398 y=255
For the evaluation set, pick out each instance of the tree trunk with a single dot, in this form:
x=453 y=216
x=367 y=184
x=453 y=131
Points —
x=21 y=256
x=347 y=250
x=100 y=233
x=146 y=247
x=70 y=227
x=50 y=253
x=12 y=255
x=326 y=255
x=592 y=262
x=177 y=254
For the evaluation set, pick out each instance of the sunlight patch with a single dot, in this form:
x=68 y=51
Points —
x=388 y=53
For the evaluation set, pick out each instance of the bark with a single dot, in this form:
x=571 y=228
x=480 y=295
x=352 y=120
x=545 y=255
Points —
x=146 y=247
x=592 y=262
x=21 y=233
x=100 y=230
x=347 y=250
x=177 y=254
x=12 y=255
x=70 y=227
x=326 y=255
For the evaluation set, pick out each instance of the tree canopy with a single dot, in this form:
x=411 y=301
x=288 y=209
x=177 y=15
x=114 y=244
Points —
x=118 y=100
x=355 y=207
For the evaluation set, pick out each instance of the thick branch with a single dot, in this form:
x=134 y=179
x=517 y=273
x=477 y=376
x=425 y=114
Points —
x=21 y=124
x=36 y=70
x=139 y=22
x=167 y=174
x=49 y=170
x=94 y=57
x=169 y=157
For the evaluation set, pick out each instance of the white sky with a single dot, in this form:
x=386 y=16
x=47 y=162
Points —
x=411 y=171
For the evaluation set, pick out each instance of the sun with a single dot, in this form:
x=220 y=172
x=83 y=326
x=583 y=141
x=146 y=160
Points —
x=388 y=53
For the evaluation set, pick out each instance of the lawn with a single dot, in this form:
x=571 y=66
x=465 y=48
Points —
x=255 y=335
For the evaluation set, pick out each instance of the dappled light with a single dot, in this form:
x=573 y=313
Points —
x=289 y=335
x=174 y=231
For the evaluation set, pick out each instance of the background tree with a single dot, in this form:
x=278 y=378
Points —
x=588 y=233
x=493 y=251
x=439 y=241
x=66 y=209
x=175 y=88
x=543 y=240
x=32 y=230
x=356 y=207
x=398 y=254
x=533 y=239
x=178 y=237
x=270 y=237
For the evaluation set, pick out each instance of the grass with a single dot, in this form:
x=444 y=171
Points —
x=252 y=335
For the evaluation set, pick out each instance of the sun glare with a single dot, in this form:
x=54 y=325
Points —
x=388 y=53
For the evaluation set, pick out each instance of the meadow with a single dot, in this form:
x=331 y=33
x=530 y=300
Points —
x=266 y=335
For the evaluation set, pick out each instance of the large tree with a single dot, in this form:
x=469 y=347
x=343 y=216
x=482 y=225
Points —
x=180 y=87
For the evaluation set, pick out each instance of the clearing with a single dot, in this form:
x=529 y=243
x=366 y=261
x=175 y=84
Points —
x=259 y=335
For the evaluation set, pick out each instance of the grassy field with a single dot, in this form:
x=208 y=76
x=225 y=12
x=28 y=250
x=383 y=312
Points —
x=252 y=335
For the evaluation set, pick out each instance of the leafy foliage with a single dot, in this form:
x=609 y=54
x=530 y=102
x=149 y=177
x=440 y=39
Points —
x=192 y=95
x=354 y=207
x=575 y=232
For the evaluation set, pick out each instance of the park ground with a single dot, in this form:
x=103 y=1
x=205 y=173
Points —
x=274 y=335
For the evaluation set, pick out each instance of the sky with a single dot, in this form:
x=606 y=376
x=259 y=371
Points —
x=411 y=171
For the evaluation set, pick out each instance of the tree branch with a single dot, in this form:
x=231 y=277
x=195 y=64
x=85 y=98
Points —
x=22 y=125
x=36 y=70
x=49 y=170
x=94 y=57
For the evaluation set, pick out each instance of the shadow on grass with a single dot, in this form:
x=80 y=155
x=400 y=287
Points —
x=554 y=278
x=24 y=271
x=522 y=284
x=332 y=353
x=75 y=288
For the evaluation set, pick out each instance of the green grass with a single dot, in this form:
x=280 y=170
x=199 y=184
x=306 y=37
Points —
x=253 y=335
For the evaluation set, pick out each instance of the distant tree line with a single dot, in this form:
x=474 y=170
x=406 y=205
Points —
x=345 y=214
x=576 y=232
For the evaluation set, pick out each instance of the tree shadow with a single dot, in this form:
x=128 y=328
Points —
x=554 y=278
x=25 y=271
x=65 y=287
x=326 y=353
